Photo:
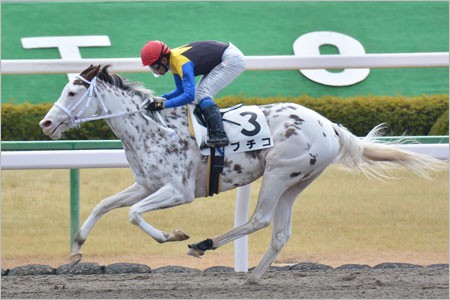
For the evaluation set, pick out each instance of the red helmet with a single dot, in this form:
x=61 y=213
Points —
x=153 y=51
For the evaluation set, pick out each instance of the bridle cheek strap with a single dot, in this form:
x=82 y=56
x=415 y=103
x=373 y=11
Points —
x=75 y=120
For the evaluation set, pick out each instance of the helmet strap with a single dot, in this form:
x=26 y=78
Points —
x=165 y=66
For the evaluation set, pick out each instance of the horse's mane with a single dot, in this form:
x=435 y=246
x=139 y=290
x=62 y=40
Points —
x=123 y=83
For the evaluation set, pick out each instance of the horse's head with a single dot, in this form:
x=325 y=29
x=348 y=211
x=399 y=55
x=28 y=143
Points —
x=73 y=104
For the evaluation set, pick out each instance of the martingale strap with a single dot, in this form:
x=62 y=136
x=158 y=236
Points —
x=216 y=163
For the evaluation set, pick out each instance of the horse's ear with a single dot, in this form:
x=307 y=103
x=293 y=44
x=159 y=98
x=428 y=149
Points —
x=92 y=72
x=88 y=74
x=87 y=70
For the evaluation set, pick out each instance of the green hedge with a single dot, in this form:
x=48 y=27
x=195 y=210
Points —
x=404 y=115
x=441 y=125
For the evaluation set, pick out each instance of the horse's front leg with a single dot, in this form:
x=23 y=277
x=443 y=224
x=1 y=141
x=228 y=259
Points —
x=165 y=197
x=127 y=197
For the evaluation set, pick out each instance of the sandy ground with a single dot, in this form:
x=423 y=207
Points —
x=281 y=283
x=422 y=258
x=193 y=278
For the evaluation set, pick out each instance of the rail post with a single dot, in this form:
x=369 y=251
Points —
x=74 y=203
x=240 y=218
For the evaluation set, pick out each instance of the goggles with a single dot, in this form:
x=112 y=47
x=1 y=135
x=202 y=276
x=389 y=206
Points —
x=154 y=68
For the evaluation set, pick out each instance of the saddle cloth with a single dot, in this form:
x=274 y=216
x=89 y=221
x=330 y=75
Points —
x=245 y=126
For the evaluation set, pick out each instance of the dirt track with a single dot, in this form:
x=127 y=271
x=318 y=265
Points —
x=298 y=281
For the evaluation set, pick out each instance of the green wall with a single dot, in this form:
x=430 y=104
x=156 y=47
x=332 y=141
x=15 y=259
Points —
x=258 y=28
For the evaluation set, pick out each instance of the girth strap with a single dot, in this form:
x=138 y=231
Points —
x=216 y=163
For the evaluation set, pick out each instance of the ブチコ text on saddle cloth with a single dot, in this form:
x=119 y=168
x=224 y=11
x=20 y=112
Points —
x=245 y=126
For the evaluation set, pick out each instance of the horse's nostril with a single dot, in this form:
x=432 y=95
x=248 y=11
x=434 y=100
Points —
x=47 y=123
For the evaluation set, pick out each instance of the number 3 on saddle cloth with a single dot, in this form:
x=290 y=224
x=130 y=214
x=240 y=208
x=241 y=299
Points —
x=246 y=128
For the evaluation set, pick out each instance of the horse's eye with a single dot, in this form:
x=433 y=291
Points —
x=71 y=94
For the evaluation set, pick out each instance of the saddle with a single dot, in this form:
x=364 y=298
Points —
x=200 y=118
x=246 y=128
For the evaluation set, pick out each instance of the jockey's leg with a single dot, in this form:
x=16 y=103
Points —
x=127 y=197
x=217 y=135
x=232 y=65
x=165 y=197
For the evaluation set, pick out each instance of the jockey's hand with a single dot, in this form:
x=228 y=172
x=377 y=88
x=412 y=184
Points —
x=155 y=105
x=158 y=98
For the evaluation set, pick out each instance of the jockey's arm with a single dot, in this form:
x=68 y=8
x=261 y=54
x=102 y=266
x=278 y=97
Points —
x=178 y=88
x=186 y=84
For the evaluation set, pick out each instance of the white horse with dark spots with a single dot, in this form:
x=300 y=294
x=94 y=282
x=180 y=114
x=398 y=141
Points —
x=304 y=145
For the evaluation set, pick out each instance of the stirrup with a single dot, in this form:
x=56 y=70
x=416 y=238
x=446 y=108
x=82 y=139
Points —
x=218 y=142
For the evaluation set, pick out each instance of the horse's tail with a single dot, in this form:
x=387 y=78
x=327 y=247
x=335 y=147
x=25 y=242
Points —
x=376 y=159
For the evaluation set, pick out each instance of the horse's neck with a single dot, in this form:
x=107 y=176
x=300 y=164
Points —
x=118 y=101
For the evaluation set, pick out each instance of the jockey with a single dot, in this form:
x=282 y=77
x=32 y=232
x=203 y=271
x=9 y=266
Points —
x=219 y=63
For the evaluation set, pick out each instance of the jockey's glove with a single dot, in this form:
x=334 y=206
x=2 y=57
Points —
x=155 y=105
x=158 y=98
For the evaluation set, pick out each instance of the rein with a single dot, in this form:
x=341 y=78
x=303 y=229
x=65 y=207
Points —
x=76 y=120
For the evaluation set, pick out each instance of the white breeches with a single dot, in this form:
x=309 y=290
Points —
x=232 y=65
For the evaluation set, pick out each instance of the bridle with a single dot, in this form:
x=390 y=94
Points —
x=91 y=93
x=75 y=120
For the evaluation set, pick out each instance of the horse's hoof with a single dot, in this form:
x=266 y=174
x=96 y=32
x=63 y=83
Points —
x=251 y=280
x=75 y=258
x=180 y=235
x=195 y=252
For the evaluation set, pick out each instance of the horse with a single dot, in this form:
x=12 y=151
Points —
x=304 y=144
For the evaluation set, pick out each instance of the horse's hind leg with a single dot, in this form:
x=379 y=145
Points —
x=127 y=197
x=272 y=188
x=281 y=229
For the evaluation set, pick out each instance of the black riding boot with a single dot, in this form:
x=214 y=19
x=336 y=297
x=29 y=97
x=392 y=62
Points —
x=217 y=136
